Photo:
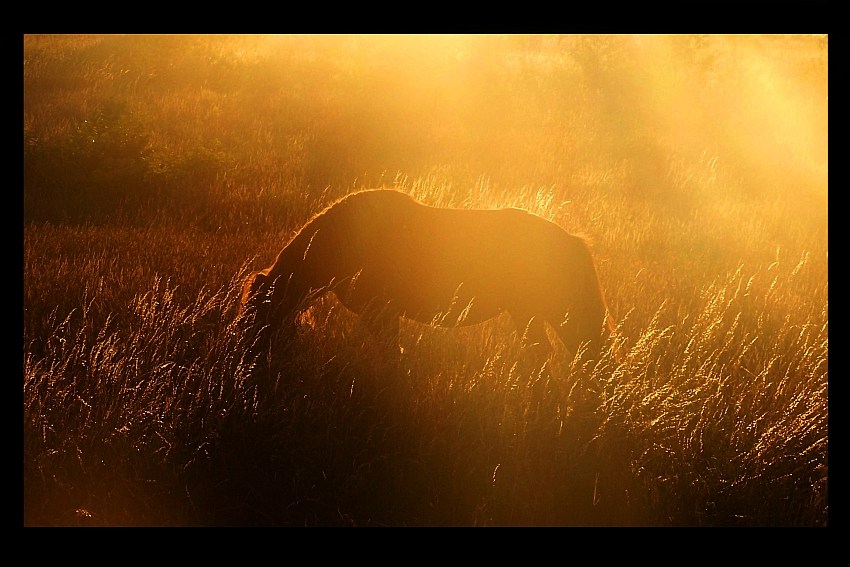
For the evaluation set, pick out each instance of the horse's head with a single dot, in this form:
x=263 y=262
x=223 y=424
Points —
x=256 y=296
x=264 y=310
x=255 y=308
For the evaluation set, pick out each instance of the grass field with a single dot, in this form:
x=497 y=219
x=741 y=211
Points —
x=160 y=171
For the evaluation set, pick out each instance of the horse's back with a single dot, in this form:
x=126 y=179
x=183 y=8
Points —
x=480 y=262
x=410 y=244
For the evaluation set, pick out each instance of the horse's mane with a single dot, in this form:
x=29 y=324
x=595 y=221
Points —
x=320 y=217
x=332 y=208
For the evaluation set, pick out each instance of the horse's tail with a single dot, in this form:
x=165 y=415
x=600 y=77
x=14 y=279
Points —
x=595 y=292
x=608 y=322
x=591 y=318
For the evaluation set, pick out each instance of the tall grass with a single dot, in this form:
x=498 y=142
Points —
x=721 y=420
x=159 y=171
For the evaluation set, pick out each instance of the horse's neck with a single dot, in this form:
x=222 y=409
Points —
x=291 y=258
x=296 y=270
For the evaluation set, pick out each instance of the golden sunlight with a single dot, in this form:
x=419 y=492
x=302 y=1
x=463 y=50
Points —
x=560 y=280
x=763 y=98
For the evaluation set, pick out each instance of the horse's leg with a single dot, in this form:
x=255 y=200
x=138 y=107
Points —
x=383 y=323
x=532 y=334
x=575 y=335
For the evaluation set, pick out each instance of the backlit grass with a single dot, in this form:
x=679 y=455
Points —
x=158 y=171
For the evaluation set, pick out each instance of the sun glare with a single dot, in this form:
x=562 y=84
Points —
x=752 y=94
x=246 y=258
x=785 y=118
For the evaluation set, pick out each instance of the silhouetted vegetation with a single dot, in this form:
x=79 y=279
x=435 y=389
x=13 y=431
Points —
x=159 y=171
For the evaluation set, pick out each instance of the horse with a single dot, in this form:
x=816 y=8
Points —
x=387 y=256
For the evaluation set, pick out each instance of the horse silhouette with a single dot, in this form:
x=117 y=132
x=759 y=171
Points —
x=386 y=256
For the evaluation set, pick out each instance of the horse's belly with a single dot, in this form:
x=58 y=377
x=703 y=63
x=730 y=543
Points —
x=452 y=317
x=432 y=292
x=449 y=307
